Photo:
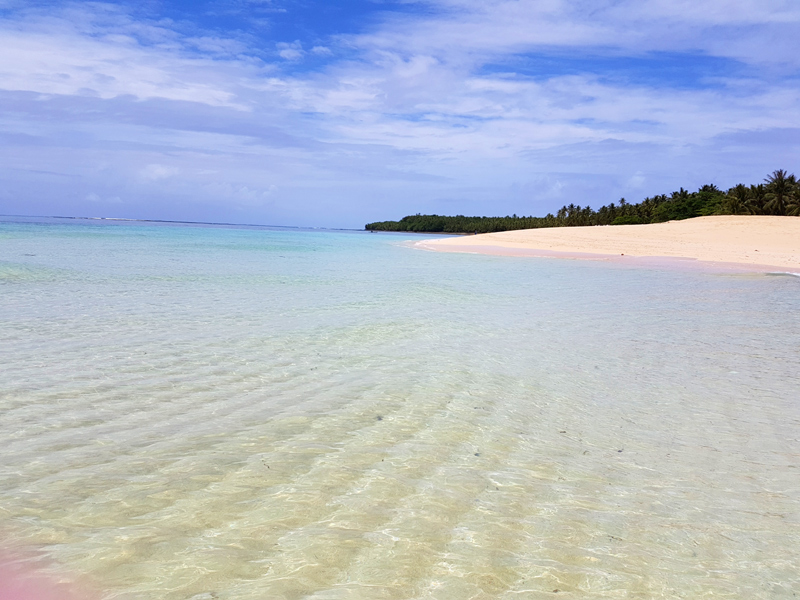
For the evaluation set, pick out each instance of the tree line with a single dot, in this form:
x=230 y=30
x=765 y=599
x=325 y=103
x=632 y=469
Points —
x=778 y=195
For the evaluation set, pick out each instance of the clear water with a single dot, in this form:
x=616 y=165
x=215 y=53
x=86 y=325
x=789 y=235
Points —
x=200 y=412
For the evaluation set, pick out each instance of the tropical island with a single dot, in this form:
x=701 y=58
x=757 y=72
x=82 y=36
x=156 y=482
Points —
x=778 y=195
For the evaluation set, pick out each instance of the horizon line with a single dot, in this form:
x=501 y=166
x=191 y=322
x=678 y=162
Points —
x=179 y=222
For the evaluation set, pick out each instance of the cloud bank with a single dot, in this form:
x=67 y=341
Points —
x=450 y=106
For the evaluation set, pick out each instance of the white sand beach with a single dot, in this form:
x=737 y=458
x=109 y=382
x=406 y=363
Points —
x=744 y=240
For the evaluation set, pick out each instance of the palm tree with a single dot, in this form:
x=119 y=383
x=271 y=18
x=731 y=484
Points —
x=780 y=189
x=756 y=199
x=586 y=215
x=793 y=206
x=570 y=214
x=737 y=199
x=681 y=195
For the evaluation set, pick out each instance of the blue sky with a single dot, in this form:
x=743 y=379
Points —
x=299 y=112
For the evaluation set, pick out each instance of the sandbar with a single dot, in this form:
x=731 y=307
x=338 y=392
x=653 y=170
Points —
x=754 y=242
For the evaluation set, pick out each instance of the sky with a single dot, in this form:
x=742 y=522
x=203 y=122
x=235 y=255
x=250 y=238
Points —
x=335 y=114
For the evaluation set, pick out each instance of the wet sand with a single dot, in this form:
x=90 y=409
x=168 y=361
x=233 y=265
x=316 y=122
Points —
x=752 y=242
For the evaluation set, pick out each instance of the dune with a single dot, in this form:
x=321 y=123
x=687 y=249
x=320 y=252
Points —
x=752 y=241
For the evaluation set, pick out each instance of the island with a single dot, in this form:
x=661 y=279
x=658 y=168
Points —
x=778 y=195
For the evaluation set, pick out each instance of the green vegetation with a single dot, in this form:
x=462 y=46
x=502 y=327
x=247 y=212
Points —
x=778 y=195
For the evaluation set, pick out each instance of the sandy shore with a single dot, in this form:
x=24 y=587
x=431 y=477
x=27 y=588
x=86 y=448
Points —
x=755 y=241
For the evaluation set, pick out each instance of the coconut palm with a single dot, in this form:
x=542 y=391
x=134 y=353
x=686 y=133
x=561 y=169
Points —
x=756 y=199
x=737 y=199
x=793 y=206
x=779 y=195
x=680 y=195
x=780 y=189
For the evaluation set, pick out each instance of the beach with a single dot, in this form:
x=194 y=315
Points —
x=752 y=241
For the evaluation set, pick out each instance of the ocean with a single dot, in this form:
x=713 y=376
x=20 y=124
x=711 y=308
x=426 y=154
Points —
x=212 y=412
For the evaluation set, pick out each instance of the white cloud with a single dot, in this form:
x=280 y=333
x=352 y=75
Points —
x=157 y=172
x=412 y=115
x=218 y=45
x=54 y=56
x=293 y=51
x=472 y=31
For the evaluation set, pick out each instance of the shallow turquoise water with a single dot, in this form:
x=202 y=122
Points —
x=206 y=412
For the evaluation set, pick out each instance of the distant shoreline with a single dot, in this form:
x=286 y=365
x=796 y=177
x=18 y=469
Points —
x=755 y=243
x=165 y=221
x=147 y=221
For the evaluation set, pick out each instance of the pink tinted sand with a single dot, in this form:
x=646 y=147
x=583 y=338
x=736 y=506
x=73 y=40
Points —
x=749 y=243
x=19 y=580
